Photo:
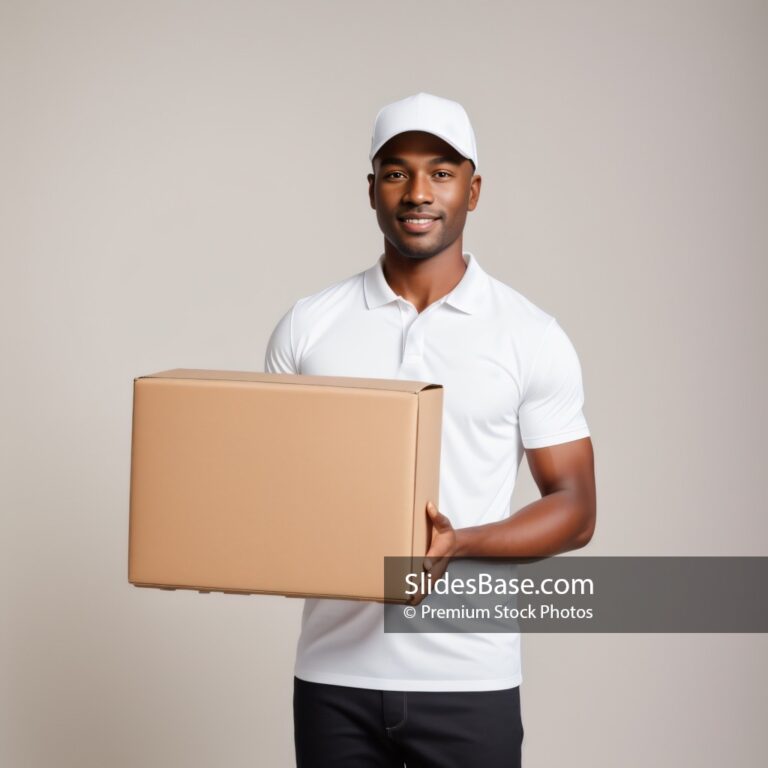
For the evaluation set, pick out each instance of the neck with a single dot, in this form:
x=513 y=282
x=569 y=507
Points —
x=424 y=281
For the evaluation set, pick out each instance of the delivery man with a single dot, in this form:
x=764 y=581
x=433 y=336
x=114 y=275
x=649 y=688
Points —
x=427 y=311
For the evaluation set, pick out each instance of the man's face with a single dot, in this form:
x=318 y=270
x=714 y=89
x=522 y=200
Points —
x=421 y=189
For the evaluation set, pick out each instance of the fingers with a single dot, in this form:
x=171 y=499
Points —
x=415 y=599
x=439 y=520
x=434 y=567
x=437 y=568
x=439 y=555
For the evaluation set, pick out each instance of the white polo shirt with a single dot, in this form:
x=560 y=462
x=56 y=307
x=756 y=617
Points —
x=511 y=381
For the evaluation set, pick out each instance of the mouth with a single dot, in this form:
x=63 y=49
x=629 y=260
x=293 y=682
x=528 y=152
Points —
x=417 y=222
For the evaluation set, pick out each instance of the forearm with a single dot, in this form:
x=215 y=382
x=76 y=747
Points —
x=556 y=523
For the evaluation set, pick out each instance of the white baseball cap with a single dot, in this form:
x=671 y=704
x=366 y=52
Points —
x=444 y=118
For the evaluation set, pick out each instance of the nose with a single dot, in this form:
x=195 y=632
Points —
x=418 y=190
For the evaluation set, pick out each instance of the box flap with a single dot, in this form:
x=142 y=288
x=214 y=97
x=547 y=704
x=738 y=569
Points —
x=393 y=385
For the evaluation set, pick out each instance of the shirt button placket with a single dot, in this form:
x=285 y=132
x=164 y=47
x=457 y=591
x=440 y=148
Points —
x=413 y=342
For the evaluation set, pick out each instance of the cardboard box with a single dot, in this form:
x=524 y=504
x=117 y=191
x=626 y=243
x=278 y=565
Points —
x=280 y=484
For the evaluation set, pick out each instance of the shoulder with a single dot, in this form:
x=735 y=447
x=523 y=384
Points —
x=517 y=304
x=331 y=300
x=539 y=344
x=308 y=313
x=527 y=322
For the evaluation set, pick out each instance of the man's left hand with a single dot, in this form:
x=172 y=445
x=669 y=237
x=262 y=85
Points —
x=442 y=548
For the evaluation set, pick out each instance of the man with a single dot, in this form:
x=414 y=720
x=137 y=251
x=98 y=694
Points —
x=427 y=311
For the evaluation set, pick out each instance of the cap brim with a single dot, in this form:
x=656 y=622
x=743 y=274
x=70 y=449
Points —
x=375 y=151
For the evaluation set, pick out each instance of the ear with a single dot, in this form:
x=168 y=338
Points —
x=371 y=196
x=474 y=192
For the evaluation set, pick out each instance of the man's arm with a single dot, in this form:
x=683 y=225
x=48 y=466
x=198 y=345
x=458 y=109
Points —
x=556 y=439
x=562 y=520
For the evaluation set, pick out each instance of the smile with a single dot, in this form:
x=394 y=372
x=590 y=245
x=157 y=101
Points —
x=416 y=224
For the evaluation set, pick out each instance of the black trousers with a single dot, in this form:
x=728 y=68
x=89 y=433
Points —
x=337 y=726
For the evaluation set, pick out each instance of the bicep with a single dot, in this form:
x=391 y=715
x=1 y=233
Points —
x=566 y=466
x=567 y=469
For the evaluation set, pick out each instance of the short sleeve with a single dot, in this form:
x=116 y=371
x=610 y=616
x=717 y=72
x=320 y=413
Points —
x=551 y=408
x=279 y=355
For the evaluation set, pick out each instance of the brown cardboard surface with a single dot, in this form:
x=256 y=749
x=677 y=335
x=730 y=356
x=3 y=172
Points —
x=279 y=484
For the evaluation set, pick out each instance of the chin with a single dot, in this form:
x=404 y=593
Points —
x=418 y=254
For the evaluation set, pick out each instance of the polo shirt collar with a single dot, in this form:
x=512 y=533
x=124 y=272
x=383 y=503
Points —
x=466 y=296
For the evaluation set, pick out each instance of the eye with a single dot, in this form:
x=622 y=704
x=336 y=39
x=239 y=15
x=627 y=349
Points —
x=445 y=174
x=393 y=173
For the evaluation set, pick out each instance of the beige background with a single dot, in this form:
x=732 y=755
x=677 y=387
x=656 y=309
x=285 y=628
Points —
x=176 y=174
